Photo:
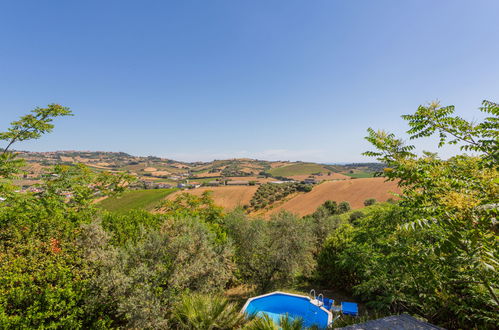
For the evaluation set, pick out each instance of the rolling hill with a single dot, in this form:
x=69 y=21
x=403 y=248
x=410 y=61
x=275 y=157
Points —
x=300 y=169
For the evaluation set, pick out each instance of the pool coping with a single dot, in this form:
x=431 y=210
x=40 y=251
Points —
x=329 y=314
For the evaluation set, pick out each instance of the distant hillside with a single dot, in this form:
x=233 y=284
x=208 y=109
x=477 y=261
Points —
x=157 y=172
x=301 y=169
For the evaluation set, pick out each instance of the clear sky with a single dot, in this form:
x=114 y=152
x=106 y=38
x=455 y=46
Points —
x=202 y=80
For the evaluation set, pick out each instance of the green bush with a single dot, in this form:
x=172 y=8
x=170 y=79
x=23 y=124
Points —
x=369 y=201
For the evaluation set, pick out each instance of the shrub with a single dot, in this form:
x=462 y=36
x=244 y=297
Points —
x=344 y=207
x=198 y=311
x=369 y=201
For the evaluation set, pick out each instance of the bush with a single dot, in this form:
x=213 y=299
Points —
x=369 y=201
x=344 y=207
x=198 y=311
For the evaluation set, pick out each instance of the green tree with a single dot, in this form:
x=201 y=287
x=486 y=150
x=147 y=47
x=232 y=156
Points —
x=28 y=127
x=344 y=207
x=138 y=284
x=455 y=199
x=271 y=253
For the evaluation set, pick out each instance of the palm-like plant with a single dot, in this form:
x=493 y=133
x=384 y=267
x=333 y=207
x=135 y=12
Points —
x=265 y=322
x=197 y=311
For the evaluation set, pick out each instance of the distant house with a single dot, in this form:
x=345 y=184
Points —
x=237 y=183
x=188 y=185
x=310 y=181
x=277 y=182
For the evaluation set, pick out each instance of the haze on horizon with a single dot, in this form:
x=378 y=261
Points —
x=273 y=80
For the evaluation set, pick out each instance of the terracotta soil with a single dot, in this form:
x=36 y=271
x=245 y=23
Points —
x=354 y=191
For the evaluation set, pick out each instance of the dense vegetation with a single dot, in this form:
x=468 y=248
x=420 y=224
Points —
x=269 y=193
x=66 y=263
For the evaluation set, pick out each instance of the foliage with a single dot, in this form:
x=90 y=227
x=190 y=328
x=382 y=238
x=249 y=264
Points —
x=199 y=311
x=439 y=257
x=369 y=202
x=344 y=207
x=201 y=207
x=42 y=284
x=269 y=193
x=354 y=216
x=126 y=227
x=28 y=127
x=265 y=322
x=137 y=285
x=270 y=253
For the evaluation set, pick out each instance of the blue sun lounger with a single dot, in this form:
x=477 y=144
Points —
x=328 y=303
x=349 y=308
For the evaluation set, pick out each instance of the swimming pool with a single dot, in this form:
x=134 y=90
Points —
x=277 y=303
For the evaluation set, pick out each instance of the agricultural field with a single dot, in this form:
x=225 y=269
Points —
x=300 y=169
x=325 y=177
x=353 y=191
x=359 y=174
x=145 y=199
x=302 y=203
x=229 y=197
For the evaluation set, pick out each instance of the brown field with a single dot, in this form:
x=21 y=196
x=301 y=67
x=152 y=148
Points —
x=249 y=178
x=354 y=191
x=206 y=175
x=160 y=173
x=228 y=197
x=150 y=169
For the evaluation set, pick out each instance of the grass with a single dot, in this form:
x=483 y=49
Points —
x=360 y=175
x=135 y=199
x=298 y=169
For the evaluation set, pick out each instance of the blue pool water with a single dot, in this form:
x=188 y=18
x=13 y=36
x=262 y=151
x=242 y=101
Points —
x=277 y=304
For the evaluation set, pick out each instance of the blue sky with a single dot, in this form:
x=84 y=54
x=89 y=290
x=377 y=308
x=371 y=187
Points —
x=277 y=80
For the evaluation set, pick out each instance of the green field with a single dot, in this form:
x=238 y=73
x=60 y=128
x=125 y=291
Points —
x=135 y=199
x=359 y=175
x=298 y=169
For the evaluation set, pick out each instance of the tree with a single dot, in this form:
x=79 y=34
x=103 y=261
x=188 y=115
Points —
x=271 y=253
x=28 y=127
x=455 y=199
x=343 y=207
x=137 y=285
